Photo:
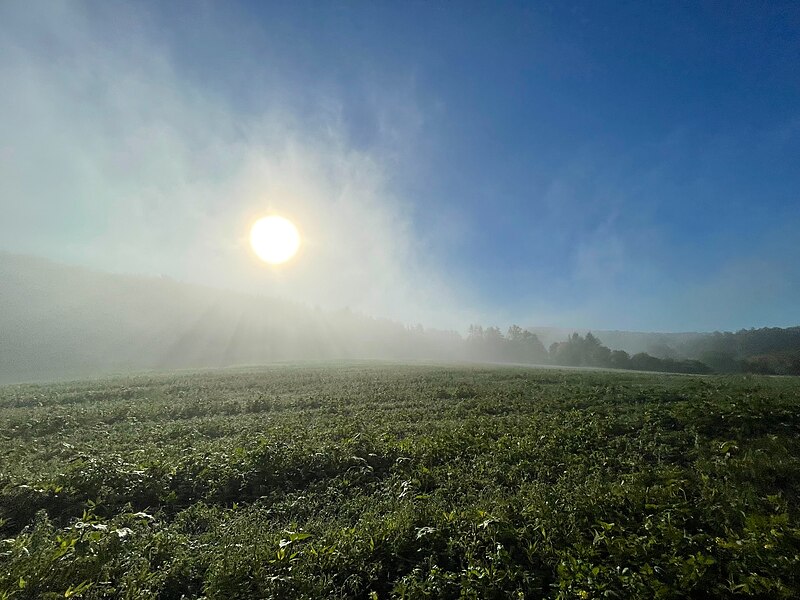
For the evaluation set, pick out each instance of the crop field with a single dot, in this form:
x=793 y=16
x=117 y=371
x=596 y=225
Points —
x=385 y=481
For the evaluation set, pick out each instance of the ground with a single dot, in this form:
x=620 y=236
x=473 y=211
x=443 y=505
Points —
x=401 y=481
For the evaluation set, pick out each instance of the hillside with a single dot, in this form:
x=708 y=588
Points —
x=58 y=321
x=772 y=350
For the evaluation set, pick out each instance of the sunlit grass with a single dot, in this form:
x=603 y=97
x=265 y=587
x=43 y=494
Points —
x=401 y=482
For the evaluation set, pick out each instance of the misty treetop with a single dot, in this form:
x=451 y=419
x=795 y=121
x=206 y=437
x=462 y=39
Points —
x=518 y=345
x=523 y=346
x=769 y=351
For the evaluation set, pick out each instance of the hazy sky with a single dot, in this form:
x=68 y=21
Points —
x=603 y=165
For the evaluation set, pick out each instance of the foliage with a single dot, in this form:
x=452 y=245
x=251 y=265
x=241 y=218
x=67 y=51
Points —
x=588 y=351
x=519 y=345
x=378 y=481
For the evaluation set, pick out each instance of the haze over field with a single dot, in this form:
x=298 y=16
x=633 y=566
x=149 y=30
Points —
x=67 y=322
x=587 y=167
x=70 y=322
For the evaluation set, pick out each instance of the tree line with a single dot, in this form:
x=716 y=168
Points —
x=766 y=351
x=523 y=346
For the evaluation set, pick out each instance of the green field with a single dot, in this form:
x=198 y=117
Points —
x=376 y=481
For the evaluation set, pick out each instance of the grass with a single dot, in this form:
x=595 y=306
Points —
x=377 y=481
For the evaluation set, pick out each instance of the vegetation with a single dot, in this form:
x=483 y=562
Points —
x=375 y=481
x=769 y=350
x=766 y=351
x=589 y=352
x=577 y=351
x=67 y=323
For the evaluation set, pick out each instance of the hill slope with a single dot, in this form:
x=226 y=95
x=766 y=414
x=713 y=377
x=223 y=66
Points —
x=59 y=321
x=766 y=350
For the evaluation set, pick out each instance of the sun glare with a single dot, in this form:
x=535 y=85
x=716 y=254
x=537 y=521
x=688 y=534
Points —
x=274 y=239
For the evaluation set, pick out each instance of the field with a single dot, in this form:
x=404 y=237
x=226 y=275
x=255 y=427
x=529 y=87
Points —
x=377 y=481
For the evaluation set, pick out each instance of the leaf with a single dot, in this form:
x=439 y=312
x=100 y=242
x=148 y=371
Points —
x=77 y=590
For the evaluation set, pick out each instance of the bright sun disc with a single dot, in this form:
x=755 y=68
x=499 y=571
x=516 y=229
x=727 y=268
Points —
x=274 y=239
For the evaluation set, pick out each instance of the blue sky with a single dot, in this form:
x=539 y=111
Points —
x=601 y=165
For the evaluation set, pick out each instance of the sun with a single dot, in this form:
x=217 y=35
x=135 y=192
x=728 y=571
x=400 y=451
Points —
x=274 y=239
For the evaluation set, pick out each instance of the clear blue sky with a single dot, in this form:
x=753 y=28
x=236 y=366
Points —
x=599 y=164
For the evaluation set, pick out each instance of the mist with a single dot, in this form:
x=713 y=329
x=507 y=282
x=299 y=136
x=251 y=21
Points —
x=61 y=322
x=129 y=166
x=437 y=206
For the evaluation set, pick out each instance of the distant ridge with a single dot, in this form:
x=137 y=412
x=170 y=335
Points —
x=60 y=321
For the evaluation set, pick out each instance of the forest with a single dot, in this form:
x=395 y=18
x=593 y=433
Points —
x=767 y=351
